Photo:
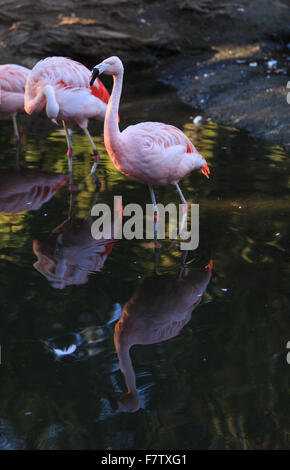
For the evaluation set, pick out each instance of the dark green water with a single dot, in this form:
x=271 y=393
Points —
x=223 y=382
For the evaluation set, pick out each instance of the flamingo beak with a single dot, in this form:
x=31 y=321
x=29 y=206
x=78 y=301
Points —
x=209 y=266
x=205 y=170
x=95 y=74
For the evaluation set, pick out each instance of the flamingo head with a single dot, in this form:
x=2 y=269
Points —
x=111 y=66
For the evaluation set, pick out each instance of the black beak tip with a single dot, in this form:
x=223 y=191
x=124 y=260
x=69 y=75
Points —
x=95 y=74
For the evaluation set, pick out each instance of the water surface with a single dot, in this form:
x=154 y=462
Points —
x=223 y=382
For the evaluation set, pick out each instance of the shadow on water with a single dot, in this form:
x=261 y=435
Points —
x=222 y=381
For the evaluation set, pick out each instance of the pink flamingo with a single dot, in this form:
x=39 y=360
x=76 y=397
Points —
x=150 y=152
x=12 y=86
x=158 y=310
x=61 y=86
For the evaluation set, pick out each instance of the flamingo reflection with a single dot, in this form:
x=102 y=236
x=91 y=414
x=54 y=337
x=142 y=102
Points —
x=71 y=254
x=27 y=189
x=158 y=310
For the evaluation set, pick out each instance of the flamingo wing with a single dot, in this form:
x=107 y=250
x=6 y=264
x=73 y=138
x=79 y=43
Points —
x=100 y=91
x=67 y=74
x=165 y=153
x=157 y=137
x=59 y=71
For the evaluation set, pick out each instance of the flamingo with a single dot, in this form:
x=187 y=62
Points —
x=153 y=153
x=158 y=310
x=61 y=86
x=12 y=86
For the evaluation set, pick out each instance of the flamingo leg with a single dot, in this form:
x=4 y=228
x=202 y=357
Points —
x=183 y=265
x=95 y=150
x=153 y=199
x=69 y=146
x=185 y=208
x=156 y=259
x=17 y=166
x=69 y=151
x=15 y=127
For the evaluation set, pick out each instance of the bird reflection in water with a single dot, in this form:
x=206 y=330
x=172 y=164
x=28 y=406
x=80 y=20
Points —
x=26 y=189
x=158 y=310
x=71 y=254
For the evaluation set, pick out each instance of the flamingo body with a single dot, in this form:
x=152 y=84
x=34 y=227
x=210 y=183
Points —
x=69 y=79
x=12 y=86
x=155 y=153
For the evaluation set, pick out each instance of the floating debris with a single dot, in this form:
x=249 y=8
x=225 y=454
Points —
x=197 y=120
x=253 y=64
x=272 y=63
x=64 y=352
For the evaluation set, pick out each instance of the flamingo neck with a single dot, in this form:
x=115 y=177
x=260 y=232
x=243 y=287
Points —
x=52 y=107
x=111 y=127
x=126 y=367
x=44 y=98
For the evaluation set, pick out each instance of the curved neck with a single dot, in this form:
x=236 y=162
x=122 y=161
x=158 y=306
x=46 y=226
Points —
x=111 y=126
x=46 y=97
x=52 y=107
